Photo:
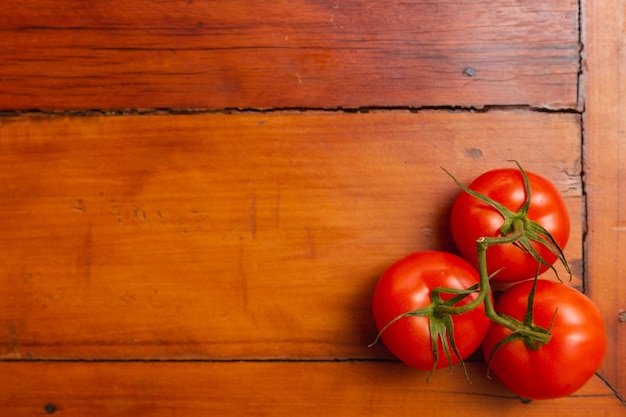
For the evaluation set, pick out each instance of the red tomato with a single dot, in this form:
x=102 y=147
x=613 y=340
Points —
x=472 y=219
x=567 y=361
x=406 y=286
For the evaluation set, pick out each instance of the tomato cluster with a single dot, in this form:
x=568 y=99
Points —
x=542 y=339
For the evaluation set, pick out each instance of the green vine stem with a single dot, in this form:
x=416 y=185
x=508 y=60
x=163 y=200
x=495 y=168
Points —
x=533 y=336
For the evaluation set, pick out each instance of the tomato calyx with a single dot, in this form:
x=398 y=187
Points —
x=533 y=336
x=518 y=229
x=441 y=326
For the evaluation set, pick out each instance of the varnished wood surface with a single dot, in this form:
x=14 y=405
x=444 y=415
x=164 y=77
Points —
x=303 y=53
x=605 y=153
x=177 y=239
x=237 y=236
x=278 y=389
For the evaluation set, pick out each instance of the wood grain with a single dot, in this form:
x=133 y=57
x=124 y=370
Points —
x=276 y=389
x=73 y=54
x=222 y=262
x=237 y=236
x=605 y=173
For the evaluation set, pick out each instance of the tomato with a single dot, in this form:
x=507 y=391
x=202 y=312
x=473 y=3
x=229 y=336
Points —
x=571 y=357
x=406 y=286
x=472 y=219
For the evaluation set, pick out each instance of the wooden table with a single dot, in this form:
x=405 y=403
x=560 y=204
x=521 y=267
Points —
x=199 y=197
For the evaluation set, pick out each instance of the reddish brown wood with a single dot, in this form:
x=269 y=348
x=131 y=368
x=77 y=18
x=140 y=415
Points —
x=73 y=54
x=236 y=236
x=250 y=243
x=278 y=389
x=605 y=173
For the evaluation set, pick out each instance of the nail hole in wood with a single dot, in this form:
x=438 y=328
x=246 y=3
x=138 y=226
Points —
x=469 y=72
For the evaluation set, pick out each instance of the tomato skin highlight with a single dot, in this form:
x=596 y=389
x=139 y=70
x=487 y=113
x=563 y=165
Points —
x=472 y=219
x=567 y=361
x=406 y=286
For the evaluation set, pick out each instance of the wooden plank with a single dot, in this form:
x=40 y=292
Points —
x=72 y=54
x=605 y=172
x=276 y=389
x=237 y=236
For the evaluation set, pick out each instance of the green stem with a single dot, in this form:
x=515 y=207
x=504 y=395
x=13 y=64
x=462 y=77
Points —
x=485 y=288
x=536 y=335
